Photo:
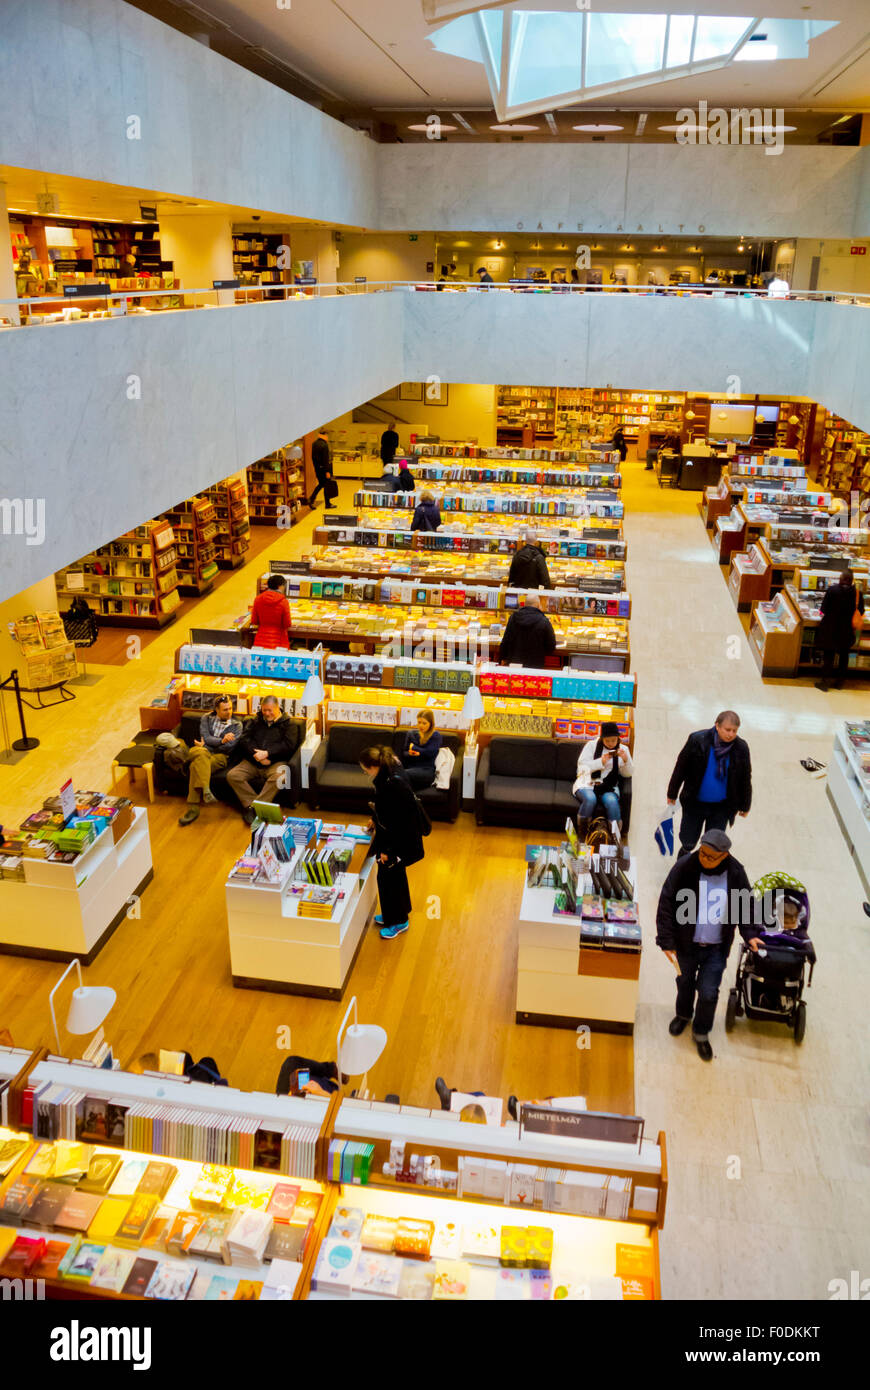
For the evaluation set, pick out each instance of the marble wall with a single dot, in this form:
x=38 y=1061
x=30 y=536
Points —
x=75 y=73
x=718 y=190
x=145 y=411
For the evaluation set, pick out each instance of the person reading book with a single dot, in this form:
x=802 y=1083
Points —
x=422 y=747
x=219 y=732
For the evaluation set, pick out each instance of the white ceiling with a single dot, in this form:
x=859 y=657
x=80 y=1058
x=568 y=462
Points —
x=375 y=53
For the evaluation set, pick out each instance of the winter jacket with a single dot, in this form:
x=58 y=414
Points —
x=529 y=569
x=426 y=517
x=405 y=481
x=692 y=764
x=835 y=632
x=279 y=739
x=396 y=817
x=270 y=615
x=320 y=456
x=528 y=639
x=389 y=445
x=208 y=726
x=588 y=766
x=677 y=913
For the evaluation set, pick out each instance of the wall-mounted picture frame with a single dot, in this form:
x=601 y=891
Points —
x=435 y=393
x=391 y=395
x=411 y=391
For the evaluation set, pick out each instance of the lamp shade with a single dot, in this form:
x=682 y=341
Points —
x=690 y=414
x=361 y=1047
x=794 y=419
x=313 y=692
x=89 y=1007
x=472 y=704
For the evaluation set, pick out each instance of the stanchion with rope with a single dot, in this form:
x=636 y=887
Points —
x=22 y=744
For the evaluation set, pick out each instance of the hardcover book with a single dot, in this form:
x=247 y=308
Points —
x=78 y=1211
x=102 y=1171
x=48 y=1265
x=452 y=1280
x=113 y=1269
x=48 y=1205
x=182 y=1232
x=157 y=1180
x=140 y=1276
x=84 y=1263
x=171 y=1280
x=287 y=1241
x=138 y=1219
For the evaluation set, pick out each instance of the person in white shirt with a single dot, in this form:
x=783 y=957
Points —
x=602 y=762
x=777 y=288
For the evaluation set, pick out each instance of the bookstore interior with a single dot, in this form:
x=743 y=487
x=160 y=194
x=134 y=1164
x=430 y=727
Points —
x=398 y=745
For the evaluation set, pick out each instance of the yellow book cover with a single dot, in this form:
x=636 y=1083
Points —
x=8 y=1237
x=137 y=1220
x=111 y=1214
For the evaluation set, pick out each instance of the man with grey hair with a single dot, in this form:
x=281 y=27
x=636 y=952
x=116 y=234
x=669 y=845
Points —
x=529 y=637
x=529 y=567
x=263 y=752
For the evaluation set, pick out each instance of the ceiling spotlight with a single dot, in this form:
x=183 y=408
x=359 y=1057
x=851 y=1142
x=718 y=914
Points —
x=513 y=129
x=598 y=129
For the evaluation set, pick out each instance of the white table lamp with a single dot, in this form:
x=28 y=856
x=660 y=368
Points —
x=312 y=697
x=88 y=1007
x=358 y=1046
x=472 y=710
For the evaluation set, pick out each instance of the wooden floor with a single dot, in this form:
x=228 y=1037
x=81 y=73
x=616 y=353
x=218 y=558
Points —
x=445 y=992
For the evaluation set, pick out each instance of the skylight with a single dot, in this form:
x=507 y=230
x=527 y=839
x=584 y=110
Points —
x=569 y=54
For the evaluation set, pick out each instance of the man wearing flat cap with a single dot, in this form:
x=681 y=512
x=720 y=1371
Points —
x=705 y=897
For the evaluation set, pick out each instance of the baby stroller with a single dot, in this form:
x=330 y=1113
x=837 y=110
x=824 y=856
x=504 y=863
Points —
x=770 y=982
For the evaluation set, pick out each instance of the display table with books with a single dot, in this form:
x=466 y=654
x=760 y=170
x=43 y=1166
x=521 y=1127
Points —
x=298 y=903
x=579 y=942
x=848 y=786
x=68 y=880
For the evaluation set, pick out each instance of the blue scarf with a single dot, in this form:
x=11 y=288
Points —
x=721 y=752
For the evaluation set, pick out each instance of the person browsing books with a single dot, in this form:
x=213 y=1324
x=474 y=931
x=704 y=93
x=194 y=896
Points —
x=602 y=765
x=422 y=747
x=704 y=898
x=389 y=443
x=528 y=638
x=427 y=517
x=219 y=732
x=714 y=771
x=837 y=633
x=405 y=480
x=398 y=839
x=270 y=615
x=263 y=751
x=529 y=565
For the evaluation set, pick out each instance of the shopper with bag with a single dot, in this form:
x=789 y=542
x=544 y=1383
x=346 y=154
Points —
x=713 y=778
x=322 y=461
x=839 y=629
x=399 y=823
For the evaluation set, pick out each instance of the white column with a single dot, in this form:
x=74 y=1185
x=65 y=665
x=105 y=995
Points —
x=8 y=288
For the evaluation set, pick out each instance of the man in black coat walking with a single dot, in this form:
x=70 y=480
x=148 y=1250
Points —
x=836 y=635
x=704 y=898
x=528 y=638
x=714 y=771
x=322 y=461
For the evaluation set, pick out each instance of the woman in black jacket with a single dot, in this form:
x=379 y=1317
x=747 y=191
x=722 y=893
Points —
x=398 y=840
x=836 y=634
x=427 y=517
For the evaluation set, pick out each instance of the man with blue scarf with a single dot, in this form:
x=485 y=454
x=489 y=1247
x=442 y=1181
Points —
x=713 y=778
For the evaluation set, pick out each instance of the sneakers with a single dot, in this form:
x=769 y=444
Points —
x=379 y=921
x=387 y=933
x=190 y=815
x=676 y=1026
x=208 y=797
x=822 y=685
x=705 y=1051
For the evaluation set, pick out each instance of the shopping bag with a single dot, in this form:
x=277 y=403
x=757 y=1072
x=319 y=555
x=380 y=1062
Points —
x=664 y=835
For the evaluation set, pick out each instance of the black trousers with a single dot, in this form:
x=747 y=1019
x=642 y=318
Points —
x=421 y=777
x=699 y=816
x=321 y=474
x=841 y=656
x=394 y=894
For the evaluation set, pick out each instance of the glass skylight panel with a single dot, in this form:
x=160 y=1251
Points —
x=680 y=32
x=492 y=21
x=717 y=35
x=620 y=46
x=545 y=55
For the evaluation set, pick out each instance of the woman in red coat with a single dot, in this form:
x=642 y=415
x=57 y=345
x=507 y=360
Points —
x=270 y=614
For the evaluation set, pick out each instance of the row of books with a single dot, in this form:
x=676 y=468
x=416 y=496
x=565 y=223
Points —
x=571 y=1191
x=421 y=450
x=478 y=544
x=604 y=576
x=437 y=472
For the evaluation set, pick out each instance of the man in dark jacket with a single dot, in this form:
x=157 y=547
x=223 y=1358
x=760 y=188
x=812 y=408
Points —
x=389 y=443
x=529 y=637
x=322 y=461
x=264 y=750
x=835 y=635
x=715 y=773
x=529 y=567
x=704 y=897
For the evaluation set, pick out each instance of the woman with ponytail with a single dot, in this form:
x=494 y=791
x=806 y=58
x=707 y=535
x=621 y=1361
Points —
x=398 y=840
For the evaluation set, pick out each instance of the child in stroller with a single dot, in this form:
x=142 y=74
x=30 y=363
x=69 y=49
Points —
x=770 y=971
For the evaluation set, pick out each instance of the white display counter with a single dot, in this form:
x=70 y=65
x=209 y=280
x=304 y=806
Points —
x=63 y=911
x=273 y=947
x=561 y=984
x=849 y=794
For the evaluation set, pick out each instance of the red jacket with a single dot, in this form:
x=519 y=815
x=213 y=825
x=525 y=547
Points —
x=270 y=615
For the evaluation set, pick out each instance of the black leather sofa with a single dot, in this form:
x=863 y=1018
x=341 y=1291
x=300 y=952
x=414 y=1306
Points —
x=170 y=783
x=337 y=782
x=528 y=781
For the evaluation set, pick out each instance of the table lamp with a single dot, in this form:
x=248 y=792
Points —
x=472 y=710
x=360 y=1046
x=312 y=697
x=88 y=1007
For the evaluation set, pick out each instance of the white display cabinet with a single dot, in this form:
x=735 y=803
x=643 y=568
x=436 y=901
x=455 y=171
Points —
x=63 y=911
x=849 y=794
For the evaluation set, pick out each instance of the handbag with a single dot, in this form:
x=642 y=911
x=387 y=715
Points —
x=857 y=615
x=330 y=489
x=423 y=817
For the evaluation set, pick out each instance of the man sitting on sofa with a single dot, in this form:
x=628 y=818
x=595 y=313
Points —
x=219 y=732
x=265 y=748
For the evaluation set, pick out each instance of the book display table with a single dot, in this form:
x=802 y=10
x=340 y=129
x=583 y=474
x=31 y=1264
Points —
x=60 y=911
x=849 y=792
x=273 y=946
x=561 y=982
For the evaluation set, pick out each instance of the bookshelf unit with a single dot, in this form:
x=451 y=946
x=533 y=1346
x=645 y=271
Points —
x=844 y=463
x=521 y=408
x=276 y=489
x=233 y=539
x=255 y=256
x=132 y=582
x=598 y=412
x=194 y=523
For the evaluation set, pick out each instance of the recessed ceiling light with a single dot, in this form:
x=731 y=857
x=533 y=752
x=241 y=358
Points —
x=426 y=128
x=515 y=129
x=598 y=129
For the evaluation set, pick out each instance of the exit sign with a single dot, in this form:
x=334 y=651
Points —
x=859 y=250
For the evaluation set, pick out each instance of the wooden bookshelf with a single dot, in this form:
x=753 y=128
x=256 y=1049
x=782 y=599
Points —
x=276 y=490
x=844 y=456
x=255 y=257
x=194 y=523
x=132 y=582
x=233 y=539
